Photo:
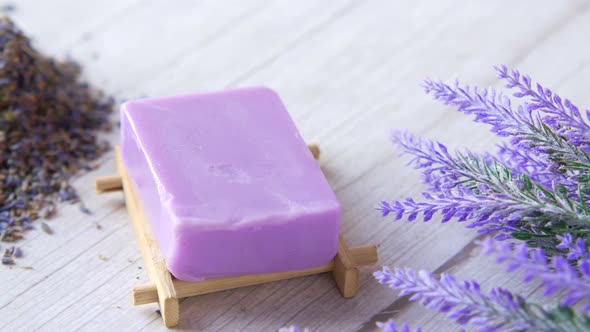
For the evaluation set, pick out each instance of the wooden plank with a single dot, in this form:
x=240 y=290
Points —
x=146 y=53
x=346 y=272
x=277 y=26
x=72 y=23
x=315 y=150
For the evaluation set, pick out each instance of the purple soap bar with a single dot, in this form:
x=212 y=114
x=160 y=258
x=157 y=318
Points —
x=228 y=184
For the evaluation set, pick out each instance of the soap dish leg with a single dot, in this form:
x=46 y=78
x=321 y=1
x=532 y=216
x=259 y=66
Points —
x=346 y=272
x=170 y=310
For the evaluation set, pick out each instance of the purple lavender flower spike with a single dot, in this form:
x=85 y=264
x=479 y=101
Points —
x=490 y=212
x=486 y=105
x=464 y=302
x=521 y=162
x=390 y=326
x=484 y=192
x=556 y=274
x=576 y=248
x=478 y=189
x=442 y=170
x=524 y=126
x=561 y=114
x=432 y=157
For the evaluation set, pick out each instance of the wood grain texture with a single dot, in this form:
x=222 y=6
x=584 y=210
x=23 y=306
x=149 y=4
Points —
x=346 y=272
x=108 y=183
x=148 y=293
x=348 y=71
x=150 y=251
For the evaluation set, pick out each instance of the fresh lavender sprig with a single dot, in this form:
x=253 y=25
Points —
x=433 y=158
x=535 y=190
x=523 y=162
x=443 y=170
x=483 y=191
x=464 y=302
x=560 y=114
x=556 y=274
x=499 y=215
x=391 y=326
x=523 y=125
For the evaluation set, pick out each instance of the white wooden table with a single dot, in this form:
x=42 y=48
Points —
x=348 y=71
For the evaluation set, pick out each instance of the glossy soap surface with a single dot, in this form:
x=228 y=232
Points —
x=228 y=184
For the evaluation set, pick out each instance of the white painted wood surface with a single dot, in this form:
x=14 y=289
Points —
x=348 y=71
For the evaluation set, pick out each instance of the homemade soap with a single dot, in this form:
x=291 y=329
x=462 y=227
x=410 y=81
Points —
x=228 y=184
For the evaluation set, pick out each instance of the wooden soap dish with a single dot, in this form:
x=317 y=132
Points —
x=165 y=290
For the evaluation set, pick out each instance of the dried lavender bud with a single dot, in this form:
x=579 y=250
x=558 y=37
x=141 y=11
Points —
x=46 y=228
x=49 y=121
x=7 y=261
x=84 y=209
x=16 y=252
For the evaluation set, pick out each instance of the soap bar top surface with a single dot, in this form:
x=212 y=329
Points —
x=228 y=161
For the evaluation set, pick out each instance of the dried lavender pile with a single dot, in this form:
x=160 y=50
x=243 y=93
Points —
x=49 y=121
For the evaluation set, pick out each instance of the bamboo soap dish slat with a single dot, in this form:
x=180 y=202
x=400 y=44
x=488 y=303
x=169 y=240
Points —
x=165 y=290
